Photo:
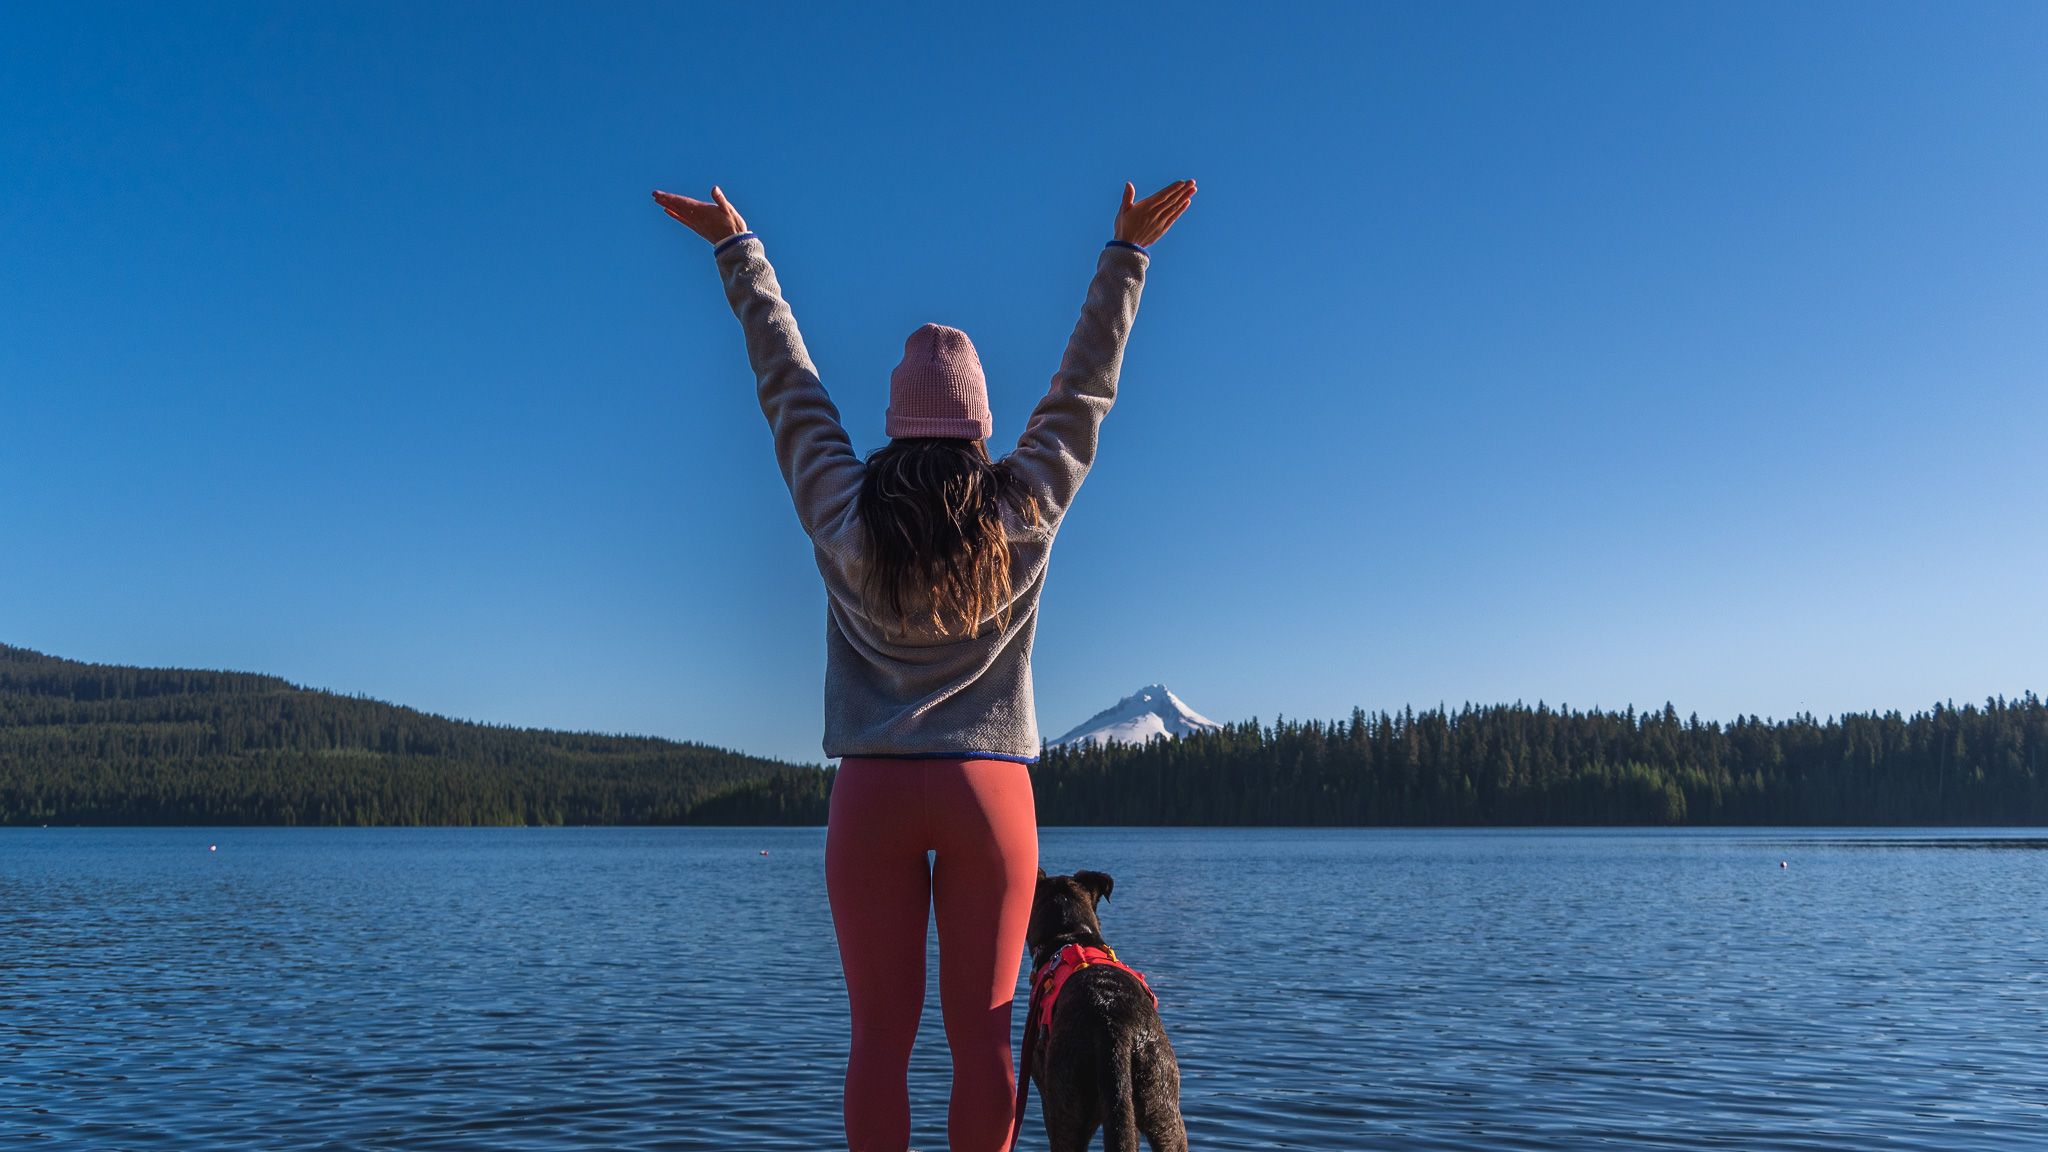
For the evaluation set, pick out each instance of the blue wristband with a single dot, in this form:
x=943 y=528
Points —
x=731 y=240
x=1127 y=244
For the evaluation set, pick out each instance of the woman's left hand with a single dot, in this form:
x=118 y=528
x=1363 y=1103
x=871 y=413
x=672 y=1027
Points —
x=713 y=221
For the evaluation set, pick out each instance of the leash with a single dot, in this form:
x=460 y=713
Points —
x=1024 y=1064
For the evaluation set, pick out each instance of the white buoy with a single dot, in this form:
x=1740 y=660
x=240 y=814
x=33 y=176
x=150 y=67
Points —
x=764 y=851
x=212 y=847
x=1783 y=864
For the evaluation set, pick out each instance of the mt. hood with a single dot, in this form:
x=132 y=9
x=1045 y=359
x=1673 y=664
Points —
x=1148 y=712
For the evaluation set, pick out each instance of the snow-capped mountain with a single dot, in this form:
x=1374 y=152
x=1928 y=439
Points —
x=1148 y=712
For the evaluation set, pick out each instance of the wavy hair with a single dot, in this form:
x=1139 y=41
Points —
x=933 y=508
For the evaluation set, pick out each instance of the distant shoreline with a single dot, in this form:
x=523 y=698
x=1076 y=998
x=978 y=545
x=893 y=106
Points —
x=105 y=745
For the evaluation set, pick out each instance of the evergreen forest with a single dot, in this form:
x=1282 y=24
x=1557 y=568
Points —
x=104 y=744
x=1978 y=765
x=101 y=744
x=1514 y=764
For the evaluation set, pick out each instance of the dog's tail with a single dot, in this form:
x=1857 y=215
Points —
x=1119 y=1101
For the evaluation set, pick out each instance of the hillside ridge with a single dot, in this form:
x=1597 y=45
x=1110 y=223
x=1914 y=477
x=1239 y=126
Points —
x=115 y=744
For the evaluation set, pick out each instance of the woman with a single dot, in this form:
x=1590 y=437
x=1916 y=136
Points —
x=933 y=556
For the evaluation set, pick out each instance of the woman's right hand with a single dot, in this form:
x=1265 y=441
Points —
x=713 y=221
x=1143 y=222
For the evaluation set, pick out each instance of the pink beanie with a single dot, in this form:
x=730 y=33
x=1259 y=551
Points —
x=939 y=390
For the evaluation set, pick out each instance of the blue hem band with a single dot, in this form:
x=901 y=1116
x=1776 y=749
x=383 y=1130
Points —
x=1128 y=244
x=940 y=756
x=731 y=240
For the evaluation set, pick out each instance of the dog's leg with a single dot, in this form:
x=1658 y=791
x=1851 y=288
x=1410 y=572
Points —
x=1158 y=1094
x=1119 y=1102
x=1166 y=1132
x=1070 y=1113
x=1071 y=1136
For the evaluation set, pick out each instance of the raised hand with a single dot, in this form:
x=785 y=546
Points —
x=1143 y=222
x=714 y=221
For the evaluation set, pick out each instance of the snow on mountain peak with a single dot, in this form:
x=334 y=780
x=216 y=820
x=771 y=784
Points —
x=1148 y=712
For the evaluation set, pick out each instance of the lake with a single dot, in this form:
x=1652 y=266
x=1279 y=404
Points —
x=675 y=988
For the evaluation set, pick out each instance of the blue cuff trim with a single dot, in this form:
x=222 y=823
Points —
x=1128 y=244
x=731 y=240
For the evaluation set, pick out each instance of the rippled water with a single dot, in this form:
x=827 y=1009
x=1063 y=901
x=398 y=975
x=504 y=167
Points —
x=675 y=988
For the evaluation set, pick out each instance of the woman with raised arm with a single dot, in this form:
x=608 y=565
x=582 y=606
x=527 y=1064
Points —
x=933 y=556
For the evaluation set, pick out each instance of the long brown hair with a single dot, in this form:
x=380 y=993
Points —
x=933 y=508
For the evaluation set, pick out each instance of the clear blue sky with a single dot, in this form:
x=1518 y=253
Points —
x=1600 y=354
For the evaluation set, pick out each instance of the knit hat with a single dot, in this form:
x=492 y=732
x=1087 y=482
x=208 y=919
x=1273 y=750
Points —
x=939 y=390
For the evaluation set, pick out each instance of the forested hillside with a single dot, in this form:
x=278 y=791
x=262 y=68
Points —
x=1975 y=765
x=97 y=744
x=101 y=744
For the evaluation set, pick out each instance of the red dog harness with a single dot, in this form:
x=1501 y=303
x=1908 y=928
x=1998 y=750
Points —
x=1046 y=983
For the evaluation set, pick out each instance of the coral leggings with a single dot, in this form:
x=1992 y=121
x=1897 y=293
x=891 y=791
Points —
x=977 y=817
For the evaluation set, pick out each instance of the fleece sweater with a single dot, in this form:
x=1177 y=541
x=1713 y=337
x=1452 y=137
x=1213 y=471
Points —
x=920 y=693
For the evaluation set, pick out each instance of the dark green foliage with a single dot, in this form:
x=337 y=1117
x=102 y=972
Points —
x=797 y=796
x=99 y=744
x=1520 y=765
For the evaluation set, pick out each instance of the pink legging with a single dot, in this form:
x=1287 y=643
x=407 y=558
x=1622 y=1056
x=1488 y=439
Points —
x=977 y=816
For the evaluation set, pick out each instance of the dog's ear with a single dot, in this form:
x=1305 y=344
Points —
x=1098 y=884
x=1041 y=873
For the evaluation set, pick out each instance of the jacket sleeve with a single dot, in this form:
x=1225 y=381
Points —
x=1058 y=446
x=817 y=458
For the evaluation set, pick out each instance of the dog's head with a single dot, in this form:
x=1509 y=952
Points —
x=1063 y=909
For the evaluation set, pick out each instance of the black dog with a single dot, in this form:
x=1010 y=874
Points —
x=1103 y=1061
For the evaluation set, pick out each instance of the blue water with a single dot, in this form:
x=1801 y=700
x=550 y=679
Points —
x=677 y=989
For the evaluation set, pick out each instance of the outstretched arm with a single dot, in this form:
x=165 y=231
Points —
x=1058 y=446
x=817 y=458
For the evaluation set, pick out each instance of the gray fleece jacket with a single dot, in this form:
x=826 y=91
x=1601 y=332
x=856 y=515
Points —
x=924 y=694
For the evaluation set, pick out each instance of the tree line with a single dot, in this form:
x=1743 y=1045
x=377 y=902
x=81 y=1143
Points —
x=100 y=744
x=1521 y=765
x=104 y=744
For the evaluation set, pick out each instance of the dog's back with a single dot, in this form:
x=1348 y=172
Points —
x=1105 y=1061
x=1108 y=1064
